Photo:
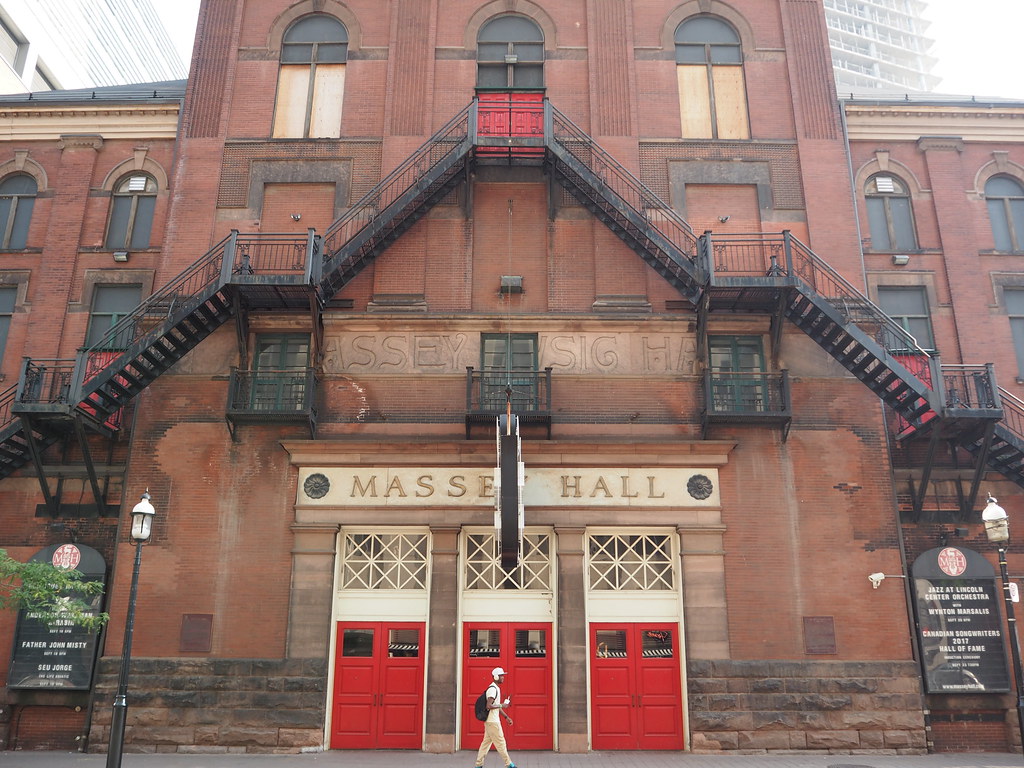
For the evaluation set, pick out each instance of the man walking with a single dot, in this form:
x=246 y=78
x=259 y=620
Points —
x=493 y=733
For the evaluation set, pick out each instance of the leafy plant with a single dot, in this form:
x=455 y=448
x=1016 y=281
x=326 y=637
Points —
x=50 y=594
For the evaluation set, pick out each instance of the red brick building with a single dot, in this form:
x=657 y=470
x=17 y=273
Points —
x=638 y=227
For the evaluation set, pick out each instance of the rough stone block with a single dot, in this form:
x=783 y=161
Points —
x=833 y=740
x=767 y=740
x=249 y=737
x=300 y=737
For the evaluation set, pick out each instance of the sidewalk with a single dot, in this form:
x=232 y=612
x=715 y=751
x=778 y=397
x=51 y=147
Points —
x=391 y=759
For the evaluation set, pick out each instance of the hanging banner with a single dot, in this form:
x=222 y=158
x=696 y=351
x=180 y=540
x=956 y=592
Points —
x=959 y=623
x=61 y=654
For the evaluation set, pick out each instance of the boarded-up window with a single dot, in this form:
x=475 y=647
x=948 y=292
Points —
x=311 y=81
x=712 y=96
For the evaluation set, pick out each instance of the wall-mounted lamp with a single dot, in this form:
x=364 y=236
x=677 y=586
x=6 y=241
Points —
x=120 y=256
x=724 y=219
x=900 y=259
x=296 y=216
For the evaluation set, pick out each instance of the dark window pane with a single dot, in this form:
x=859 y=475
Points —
x=143 y=224
x=297 y=54
x=657 y=643
x=690 y=54
x=532 y=643
x=484 y=643
x=1012 y=297
x=403 y=643
x=510 y=29
x=725 y=54
x=528 y=76
x=492 y=76
x=318 y=28
x=333 y=53
x=7 y=207
x=902 y=223
x=1000 y=224
x=1017 y=328
x=109 y=304
x=492 y=52
x=8 y=295
x=529 y=52
x=611 y=644
x=1001 y=186
x=704 y=29
x=19 y=184
x=117 y=233
x=878 y=224
x=22 y=218
x=1017 y=220
x=357 y=643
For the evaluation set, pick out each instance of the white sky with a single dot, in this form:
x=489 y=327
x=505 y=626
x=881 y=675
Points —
x=977 y=43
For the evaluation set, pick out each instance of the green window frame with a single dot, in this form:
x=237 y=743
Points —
x=110 y=303
x=502 y=356
x=908 y=306
x=279 y=372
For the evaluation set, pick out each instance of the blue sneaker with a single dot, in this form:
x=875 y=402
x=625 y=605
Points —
x=511 y=765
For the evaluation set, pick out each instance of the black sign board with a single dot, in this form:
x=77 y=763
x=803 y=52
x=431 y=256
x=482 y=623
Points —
x=959 y=624
x=58 y=655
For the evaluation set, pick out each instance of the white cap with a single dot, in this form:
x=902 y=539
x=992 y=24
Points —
x=497 y=672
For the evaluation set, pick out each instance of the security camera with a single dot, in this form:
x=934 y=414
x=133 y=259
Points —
x=724 y=219
x=296 y=216
x=876 y=579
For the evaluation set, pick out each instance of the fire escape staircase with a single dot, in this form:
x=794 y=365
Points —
x=264 y=272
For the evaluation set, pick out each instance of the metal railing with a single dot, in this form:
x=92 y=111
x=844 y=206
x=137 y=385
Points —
x=1013 y=413
x=376 y=204
x=782 y=255
x=46 y=382
x=623 y=184
x=970 y=386
x=487 y=392
x=272 y=391
x=278 y=254
x=746 y=393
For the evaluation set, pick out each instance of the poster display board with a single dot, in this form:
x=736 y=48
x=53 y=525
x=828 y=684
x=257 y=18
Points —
x=61 y=654
x=959 y=623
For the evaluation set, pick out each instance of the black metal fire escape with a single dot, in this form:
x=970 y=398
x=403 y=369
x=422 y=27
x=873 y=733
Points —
x=764 y=273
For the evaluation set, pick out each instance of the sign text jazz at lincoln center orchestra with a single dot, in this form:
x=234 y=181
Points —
x=431 y=486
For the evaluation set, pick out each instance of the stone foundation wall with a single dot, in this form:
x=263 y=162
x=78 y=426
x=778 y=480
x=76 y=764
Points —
x=200 y=705
x=800 y=706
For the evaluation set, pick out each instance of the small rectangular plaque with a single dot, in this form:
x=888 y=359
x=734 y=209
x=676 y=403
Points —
x=819 y=635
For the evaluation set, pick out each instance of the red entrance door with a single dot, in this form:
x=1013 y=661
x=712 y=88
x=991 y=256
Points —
x=636 y=700
x=378 y=686
x=524 y=652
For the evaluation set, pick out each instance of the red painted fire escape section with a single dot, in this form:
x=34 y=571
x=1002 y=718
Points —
x=510 y=115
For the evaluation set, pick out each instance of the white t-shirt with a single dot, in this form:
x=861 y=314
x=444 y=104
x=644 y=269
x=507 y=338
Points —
x=493 y=715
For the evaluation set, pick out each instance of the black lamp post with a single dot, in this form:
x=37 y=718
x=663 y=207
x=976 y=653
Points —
x=142 y=527
x=997 y=528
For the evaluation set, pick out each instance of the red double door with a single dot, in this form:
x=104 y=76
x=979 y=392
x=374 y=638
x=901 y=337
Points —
x=635 y=695
x=524 y=651
x=378 y=686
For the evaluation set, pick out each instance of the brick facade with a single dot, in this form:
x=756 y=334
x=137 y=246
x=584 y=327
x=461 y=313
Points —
x=779 y=641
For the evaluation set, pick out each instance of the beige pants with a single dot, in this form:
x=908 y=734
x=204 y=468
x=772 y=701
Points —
x=493 y=735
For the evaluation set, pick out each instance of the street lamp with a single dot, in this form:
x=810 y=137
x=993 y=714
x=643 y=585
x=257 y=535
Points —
x=142 y=528
x=997 y=528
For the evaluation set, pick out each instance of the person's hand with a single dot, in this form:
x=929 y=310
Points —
x=506 y=702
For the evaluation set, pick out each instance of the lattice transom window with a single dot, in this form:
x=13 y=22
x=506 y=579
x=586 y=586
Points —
x=642 y=562
x=384 y=561
x=483 y=563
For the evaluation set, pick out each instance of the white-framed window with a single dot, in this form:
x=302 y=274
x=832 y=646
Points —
x=483 y=563
x=620 y=562
x=385 y=561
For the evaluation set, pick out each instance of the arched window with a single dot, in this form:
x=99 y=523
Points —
x=311 y=80
x=890 y=216
x=709 y=69
x=17 y=197
x=510 y=54
x=1005 y=198
x=131 y=213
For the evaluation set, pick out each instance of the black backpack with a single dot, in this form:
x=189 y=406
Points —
x=480 y=708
